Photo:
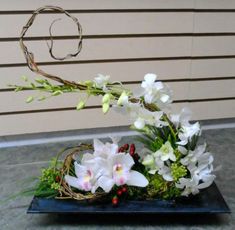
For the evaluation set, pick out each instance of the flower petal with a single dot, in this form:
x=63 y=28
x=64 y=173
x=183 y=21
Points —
x=139 y=123
x=150 y=78
x=106 y=183
x=123 y=159
x=72 y=181
x=98 y=145
x=80 y=170
x=137 y=179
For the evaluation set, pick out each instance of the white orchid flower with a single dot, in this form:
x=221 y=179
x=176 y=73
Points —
x=151 y=88
x=154 y=92
x=166 y=173
x=192 y=157
x=84 y=179
x=128 y=108
x=101 y=81
x=111 y=168
x=166 y=152
x=145 y=117
x=190 y=185
x=149 y=163
x=193 y=185
x=187 y=132
x=117 y=171
x=104 y=150
x=182 y=118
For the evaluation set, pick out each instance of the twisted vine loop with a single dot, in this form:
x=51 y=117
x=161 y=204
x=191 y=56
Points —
x=29 y=56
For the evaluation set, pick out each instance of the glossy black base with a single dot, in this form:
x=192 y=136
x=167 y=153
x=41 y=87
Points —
x=209 y=201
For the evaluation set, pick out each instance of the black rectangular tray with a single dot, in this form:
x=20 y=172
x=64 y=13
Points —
x=209 y=201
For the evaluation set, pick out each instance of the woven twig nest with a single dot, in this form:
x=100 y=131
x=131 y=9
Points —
x=66 y=191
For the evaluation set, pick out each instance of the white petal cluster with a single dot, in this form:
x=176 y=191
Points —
x=159 y=161
x=155 y=92
x=105 y=168
x=199 y=163
x=101 y=81
x=186 y=130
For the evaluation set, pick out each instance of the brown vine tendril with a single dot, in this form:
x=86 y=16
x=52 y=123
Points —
x=29 y=56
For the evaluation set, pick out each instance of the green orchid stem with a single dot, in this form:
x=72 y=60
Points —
x=153 y=107
x=170 y=126
x=115 y=90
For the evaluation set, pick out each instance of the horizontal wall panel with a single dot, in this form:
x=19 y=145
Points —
x=63 y=120
x=212 y=89
x=209 y=46
x=96 y=49
x=213 y=68
x=124 y=71
x=215 y=4
x=214 y=22
x=97 y=4
x=12 y=101
x=98 y=24
x=213 y=109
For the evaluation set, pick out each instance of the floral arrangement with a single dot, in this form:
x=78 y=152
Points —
x=170 y=164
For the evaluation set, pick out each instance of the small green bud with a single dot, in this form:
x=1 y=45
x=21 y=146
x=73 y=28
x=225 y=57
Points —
x=123 y=98
x=106 y=99
x=148 y=160
x=46 y=86
x=18 y=88
x=105 y=108
x=41 y=98
x=40 y=81
x=88 y=83
x=24 y=78
x=29 y=99
x=57 y=92
x=80 y=105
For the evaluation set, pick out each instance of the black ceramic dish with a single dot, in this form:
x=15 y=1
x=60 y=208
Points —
x=208 y=201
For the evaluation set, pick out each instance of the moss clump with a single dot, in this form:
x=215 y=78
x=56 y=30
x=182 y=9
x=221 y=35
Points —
x=159 y=188
x=178 y=171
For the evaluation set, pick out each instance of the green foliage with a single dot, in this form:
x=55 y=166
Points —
x=178 y=170
x=49 y=185
x=159 y=188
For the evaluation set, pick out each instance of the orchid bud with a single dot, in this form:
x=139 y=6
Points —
x=80 y=105
x=29 y=99
x=106 y=99
x=88 y=83
x=122 y=99
x=105 y=108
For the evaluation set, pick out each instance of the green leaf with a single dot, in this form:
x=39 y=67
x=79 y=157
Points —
x=29 y=99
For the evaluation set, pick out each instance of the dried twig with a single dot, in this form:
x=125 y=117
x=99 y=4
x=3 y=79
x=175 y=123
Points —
x=29 y=55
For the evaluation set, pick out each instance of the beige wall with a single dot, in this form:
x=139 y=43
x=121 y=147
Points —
x=190 y=44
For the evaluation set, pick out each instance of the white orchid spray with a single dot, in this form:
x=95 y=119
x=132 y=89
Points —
x=170 y=165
